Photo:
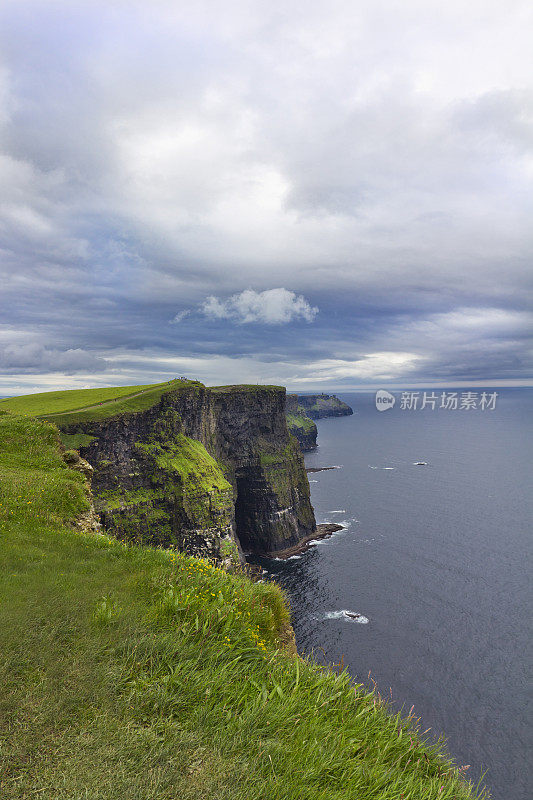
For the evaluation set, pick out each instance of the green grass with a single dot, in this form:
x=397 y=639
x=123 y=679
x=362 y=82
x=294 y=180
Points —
x=204 y=488
x=76 y=440
x=80 y=405
x=247 y=387
x=35 y=483
x=36 y=405
x=121 y=405
x=135 y=673
x=112 y=499
x=190 y=459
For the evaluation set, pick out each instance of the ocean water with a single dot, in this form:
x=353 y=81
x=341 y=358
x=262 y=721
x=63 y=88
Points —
x=435 y=560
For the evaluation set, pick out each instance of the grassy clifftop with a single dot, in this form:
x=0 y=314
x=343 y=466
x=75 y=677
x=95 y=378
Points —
x=80 y=405
x=36 y=405
x=72 y=405
x=141 y=673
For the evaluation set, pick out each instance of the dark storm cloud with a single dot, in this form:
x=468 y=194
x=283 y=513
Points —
x=163 y=163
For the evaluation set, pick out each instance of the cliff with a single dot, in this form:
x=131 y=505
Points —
x=300 y=424
x=301 y=410
x=136 y=672
x=318 y=406
x=196 y=468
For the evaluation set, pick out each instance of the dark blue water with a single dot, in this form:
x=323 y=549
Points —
x=436 y=558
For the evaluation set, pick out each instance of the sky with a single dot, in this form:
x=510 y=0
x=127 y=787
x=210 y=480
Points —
x=325 y=195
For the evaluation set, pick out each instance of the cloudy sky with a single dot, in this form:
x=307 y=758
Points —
x=321 y=194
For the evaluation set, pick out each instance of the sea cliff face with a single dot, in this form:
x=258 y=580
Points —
x=300 y=424
x=200 y=469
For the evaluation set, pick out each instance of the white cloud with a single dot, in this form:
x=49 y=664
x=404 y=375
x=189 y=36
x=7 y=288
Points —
x=271 y=307
x=180 y=316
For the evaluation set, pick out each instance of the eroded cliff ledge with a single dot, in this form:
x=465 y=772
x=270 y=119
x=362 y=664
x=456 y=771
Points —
x=197 y=468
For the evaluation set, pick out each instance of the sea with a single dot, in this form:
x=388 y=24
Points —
x=434 y=562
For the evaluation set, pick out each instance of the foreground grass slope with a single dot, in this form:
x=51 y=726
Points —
x=135 y=673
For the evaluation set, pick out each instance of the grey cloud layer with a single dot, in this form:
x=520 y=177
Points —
x=375 y=160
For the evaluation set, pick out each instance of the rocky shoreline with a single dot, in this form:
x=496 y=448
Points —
x=323 y=531
x=320 y=469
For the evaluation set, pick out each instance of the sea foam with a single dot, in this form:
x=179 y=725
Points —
x=348 y=616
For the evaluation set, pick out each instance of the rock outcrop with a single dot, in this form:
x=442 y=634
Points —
x=318 y=406
x=300 y=424
x=199 y=470
x=88 y=521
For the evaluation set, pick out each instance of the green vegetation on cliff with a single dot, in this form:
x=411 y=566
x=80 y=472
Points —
x=197 y=480
x=173 y=492
x=75 y=440
x=300 y=424
x=301 y=421
x=129 y=672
